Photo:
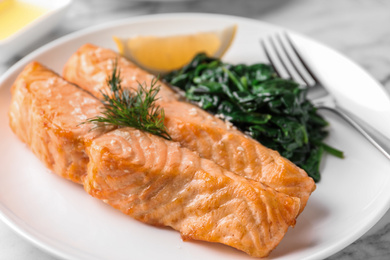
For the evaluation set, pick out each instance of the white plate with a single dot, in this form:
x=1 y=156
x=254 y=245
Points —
x=61 y=218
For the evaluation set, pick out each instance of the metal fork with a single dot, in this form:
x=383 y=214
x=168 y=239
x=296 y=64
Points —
x=287 y=62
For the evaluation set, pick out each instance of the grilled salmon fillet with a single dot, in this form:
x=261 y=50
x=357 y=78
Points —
x=194 y=128
x=151 y=179
x=45 y=112
x=161 y=183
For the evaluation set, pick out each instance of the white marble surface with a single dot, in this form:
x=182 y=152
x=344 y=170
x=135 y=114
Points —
x=357 y=28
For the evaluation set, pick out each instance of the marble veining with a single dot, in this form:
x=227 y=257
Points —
x=373 y=246
x=357 y=28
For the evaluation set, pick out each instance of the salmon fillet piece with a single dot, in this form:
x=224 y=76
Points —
x=160 y=183
x=194 y=128
x=45 y=112
x=151 y=179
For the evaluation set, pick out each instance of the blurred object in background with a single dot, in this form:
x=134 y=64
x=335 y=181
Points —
x=23 y=22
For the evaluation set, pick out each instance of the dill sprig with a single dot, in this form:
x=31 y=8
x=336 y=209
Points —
x=126 y=107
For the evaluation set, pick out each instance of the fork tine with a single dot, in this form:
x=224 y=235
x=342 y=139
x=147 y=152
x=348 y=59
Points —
x=299 y=56
x=269 y=57
x=281 y=59
x=294 y=64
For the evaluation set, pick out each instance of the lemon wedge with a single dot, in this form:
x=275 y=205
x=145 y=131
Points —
x=163 y=54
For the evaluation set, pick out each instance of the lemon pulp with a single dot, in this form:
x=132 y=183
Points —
x=160 y=54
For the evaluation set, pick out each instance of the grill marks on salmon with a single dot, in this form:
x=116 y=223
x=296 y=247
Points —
x=45 y=112
x=194 y=128
x=160 y=183
x=154 y=180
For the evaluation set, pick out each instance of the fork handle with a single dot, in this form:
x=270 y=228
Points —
x=381 y=142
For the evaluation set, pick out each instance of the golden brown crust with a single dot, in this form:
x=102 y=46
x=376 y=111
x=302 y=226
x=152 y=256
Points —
x=160 y=183
x=51 y=131
x=194 y=128
x=153 y=180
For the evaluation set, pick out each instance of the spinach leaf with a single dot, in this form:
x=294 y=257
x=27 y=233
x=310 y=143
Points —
x=272 y=110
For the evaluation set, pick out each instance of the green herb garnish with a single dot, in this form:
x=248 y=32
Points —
x=272 y=110
x=126 y=107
